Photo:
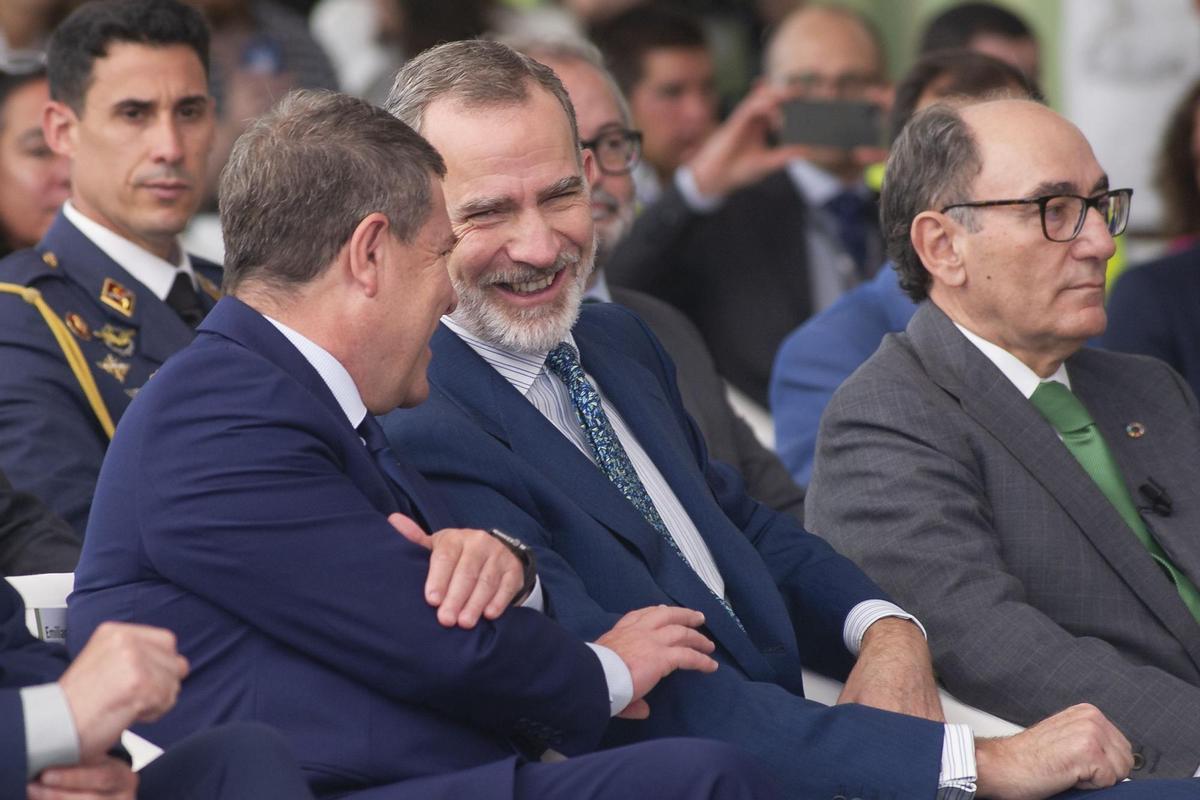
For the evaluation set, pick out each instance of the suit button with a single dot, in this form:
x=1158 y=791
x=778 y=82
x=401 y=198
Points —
x=1139 y=761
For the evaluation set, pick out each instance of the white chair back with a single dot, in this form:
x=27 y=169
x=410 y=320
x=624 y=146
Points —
x=45 y=599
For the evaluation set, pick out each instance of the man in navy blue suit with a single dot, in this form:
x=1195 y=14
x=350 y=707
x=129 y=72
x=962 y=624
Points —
x=250 y=504
x=90 y=312
x=567 y=429
x=60 y=720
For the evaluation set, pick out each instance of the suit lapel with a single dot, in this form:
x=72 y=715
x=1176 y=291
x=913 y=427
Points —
x=996 y=405
x=485 y=396
x=89 y=266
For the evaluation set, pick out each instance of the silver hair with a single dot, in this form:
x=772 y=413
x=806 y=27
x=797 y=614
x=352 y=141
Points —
x=933 y=163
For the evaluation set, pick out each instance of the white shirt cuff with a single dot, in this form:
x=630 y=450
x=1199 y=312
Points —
x=698 y=202
x=616 y=675
x=536 y=600
x=866 y=614
x=50 y=736
x=957 y=778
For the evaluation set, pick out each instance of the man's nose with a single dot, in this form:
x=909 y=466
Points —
x=168 y=141
x=1094 y=240
x=534 y=241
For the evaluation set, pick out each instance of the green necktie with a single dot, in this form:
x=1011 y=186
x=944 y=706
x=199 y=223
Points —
x=1063 y=410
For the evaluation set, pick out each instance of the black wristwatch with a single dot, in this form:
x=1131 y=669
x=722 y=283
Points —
x=524 y=554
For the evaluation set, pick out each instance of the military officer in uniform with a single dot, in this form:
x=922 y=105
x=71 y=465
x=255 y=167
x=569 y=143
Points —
x=89 y=313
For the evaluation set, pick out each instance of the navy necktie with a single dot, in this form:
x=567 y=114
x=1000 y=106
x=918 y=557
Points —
x=606 y=447
x=849 y=210
x=412 y=486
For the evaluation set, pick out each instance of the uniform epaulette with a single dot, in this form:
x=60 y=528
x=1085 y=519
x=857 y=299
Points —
x=28 y=267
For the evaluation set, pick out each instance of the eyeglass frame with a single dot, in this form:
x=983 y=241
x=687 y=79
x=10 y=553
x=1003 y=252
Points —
x=1044 y=200
x=631 y=136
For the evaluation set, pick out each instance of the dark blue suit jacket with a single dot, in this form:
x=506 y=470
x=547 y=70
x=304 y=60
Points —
x=238 y=507
x=817 y=357
x=1155 y=310
x=499 y=460
x=24 y=661
x=50 y=442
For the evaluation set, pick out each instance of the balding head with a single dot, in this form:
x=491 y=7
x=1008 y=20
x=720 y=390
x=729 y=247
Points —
x=818 y=48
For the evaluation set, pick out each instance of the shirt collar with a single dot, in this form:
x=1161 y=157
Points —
x=519 y=369
x=817 y=186
x=331 y=371
x=599 y=288
x=155 y=273
x=1016 y=370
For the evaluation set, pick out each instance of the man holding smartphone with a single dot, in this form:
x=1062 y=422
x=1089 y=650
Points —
x=751 y=239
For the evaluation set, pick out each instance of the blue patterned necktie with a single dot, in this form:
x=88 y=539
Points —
x=606 y=447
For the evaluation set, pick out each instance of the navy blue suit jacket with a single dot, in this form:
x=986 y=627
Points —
x=51 y=444
x=239 y=508
x=817 y=357
x=1154 y=311
x=499 y=460
x=24 y=661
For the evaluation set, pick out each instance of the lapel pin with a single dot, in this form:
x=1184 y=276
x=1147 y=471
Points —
x=111 y=365
x=1135 y=430
x=50 y=259
x=78 y=326
x=117 y=297
x=119 y=340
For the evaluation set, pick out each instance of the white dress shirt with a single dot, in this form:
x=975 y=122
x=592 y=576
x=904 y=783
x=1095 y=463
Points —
x=1016 y=370
x=528 y=374
x=156 y=274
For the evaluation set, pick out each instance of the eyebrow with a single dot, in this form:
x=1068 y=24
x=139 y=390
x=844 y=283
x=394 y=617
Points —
x=568 y=185
x=1066 y=187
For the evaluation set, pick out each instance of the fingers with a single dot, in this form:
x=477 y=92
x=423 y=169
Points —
x=470 y=574
x=410 y=530
x=110 y=779
x=638 y=709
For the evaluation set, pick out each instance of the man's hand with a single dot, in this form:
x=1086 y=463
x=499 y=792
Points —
x=894 y=672
x=654 y=642
x=125 y=674
x=471 y=573
x=1077 y=748
x=738 y=153
x=107 y=779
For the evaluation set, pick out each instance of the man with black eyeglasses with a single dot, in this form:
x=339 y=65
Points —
x=1035 y=502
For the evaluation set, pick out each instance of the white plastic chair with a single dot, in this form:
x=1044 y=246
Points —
x=45 y=599
x=826 y=690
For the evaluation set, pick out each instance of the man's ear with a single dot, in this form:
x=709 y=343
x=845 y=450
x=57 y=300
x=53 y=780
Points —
x=591 y=170
x=60 y=126
x=366 y=249
x=939 y=240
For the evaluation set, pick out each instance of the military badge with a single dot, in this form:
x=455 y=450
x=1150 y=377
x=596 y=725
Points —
x=116 y=296
x=118 y=369
x=78 y=326
x=119 y=340
x=133 y=392
x=50 y=260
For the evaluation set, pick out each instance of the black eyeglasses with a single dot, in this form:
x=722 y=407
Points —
x=617 y=149
x=1063 y=214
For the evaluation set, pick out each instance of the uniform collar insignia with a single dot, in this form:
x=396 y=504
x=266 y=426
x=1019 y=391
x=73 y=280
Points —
x=116 y=296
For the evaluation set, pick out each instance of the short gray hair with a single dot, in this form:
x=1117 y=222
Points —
x=574 y=49
x=475 y=72
x=933 y=163
x=302 y=177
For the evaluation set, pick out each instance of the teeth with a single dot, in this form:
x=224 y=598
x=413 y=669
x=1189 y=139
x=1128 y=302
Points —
x=529 y=287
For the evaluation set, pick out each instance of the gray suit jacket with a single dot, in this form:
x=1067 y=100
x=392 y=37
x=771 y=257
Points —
x=944 y=483
x=727 y=435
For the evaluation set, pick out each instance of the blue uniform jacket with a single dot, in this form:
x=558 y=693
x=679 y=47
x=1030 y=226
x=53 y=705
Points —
x=500 y=461
x=51 y=443
x=247 y=516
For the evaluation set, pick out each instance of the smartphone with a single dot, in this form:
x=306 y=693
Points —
x=832 y=123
